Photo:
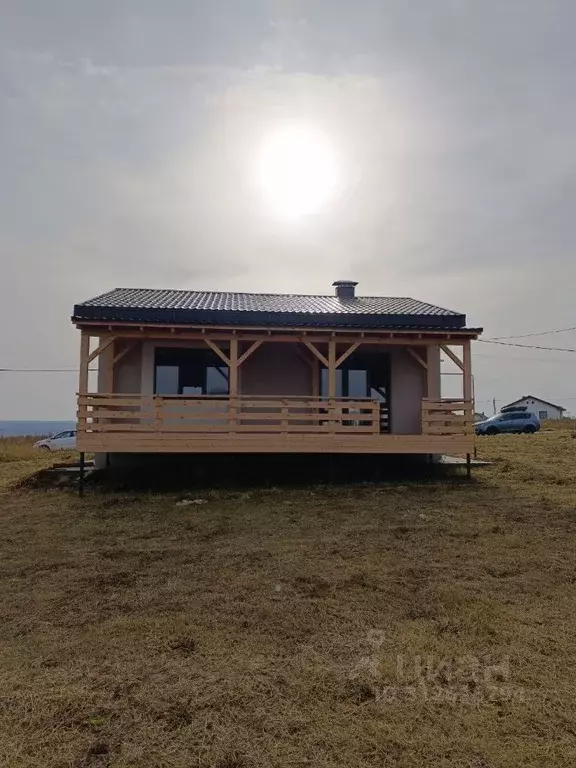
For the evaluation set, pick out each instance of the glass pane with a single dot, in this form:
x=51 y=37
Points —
x=167 y=379
x=357 y=383
x=216 y=381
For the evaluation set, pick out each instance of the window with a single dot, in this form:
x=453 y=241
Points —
x=192 y=372
x=542 y=414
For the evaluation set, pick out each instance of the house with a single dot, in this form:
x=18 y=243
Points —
x=196 y=372
x=542 y=408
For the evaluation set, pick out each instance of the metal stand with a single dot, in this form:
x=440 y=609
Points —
x=82 y=475
x=468 y=467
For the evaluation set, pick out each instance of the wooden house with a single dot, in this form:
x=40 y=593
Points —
x=197 y=372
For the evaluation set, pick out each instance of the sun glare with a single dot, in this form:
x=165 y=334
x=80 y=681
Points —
x=297 y=171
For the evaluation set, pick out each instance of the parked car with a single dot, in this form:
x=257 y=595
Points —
x=508 y=422
x=63 y=441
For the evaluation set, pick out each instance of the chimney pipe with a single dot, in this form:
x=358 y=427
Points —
x=345 y=289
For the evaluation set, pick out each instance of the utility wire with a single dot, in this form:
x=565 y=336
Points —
x=525 y=346
x=541 y=333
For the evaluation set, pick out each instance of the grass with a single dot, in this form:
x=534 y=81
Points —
x=430 y=622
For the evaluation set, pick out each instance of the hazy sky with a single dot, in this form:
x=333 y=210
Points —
x=129 y=131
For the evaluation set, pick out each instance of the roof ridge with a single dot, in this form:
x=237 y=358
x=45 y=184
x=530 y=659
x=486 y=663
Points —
x=264 y=293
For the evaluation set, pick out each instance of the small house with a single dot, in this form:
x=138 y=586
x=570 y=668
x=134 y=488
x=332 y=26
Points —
x=542 y=408
x=200 y=372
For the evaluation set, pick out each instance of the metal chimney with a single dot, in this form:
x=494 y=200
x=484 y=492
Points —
x=345 y=289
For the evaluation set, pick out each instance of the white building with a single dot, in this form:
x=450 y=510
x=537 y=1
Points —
x=542 y=408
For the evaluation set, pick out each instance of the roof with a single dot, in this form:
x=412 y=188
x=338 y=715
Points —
x=533 y=397
x=145 y=305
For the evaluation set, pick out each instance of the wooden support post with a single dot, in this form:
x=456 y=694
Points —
x=433 y=372
x=467 y=370
x=332 y=382
x=84 y=363
x=233 y=383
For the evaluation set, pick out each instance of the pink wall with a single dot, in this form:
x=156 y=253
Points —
x=275 y=369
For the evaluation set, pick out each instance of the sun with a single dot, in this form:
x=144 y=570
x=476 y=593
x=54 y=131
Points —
x=297 y=171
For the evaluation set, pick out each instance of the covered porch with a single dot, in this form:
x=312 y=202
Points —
x=258 y=390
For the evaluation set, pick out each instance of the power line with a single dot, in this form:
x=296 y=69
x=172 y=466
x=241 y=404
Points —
x=525 y=346
x=541 y=333
x=43 y=370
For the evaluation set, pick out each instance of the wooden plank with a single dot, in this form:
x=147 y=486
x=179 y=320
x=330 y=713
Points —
x=316 y=353
x=467 y=371
x=434 y=416
x=84 y=363
x=98 y=351
x=289 y=443
x=124 y=351
x=345 y=355
x=245 y=355
x=417 y=357
x=215 y=348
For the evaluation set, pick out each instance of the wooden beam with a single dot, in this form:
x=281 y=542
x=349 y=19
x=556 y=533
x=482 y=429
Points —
x=345 y=355
x=417 y=357
x=332 y=368
x=233 y=384
x=433 y=374
x=245 y=355
x=455 y=359
x=317 y=353
x=84 y=363
x=98 y=351
x=467 y=371
x=123 y=352
x=215 y=348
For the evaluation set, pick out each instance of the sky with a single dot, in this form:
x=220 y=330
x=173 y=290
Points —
x=130 y=131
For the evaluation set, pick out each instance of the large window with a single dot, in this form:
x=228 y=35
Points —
x=189 y=372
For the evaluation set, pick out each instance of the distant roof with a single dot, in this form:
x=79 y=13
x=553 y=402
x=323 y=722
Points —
x=534 y=397
x=145 y=305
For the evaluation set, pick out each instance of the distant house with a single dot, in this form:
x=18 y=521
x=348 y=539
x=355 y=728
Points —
x=195 y=372
x=542 y=408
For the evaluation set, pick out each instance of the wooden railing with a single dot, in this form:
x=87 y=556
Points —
x=119 y=413
x=447 y=417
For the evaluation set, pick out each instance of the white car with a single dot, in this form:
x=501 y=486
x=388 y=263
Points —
x=63 y=441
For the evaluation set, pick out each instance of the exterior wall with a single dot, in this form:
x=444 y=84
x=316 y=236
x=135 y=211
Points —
x=407 y=388
x=536 y=406
x=127 y=373
x=275 y=369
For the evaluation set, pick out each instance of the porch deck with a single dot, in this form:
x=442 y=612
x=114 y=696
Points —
x=132 y=423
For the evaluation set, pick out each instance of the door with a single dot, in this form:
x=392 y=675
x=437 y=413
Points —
x=63 y=441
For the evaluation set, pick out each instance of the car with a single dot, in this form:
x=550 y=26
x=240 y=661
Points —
x=522 y=421
x=63 y=441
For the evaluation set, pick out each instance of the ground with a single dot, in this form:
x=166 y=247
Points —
x=406 y=624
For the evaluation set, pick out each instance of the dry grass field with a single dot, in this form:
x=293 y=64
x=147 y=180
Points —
x=424 y=623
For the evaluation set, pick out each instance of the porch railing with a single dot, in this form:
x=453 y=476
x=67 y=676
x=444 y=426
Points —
x=447 y=417
x=119 y=413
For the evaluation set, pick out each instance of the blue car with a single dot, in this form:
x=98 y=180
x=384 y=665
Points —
x=522 y=421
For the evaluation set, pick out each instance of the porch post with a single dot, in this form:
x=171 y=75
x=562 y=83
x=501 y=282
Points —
x=332 y=382
x=233 y=382
x=467 y=370
x=83 y=380
x=433 y=372
x=84 y=364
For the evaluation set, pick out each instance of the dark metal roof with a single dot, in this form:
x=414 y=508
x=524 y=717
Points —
x=144 y=305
